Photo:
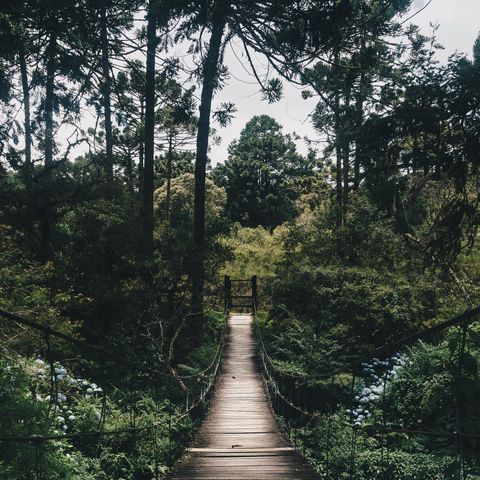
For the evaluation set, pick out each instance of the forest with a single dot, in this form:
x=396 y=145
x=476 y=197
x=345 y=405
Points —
x=117 y=230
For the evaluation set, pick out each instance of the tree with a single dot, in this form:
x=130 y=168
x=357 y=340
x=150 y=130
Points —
x=177 y=128
x=106 y=94
x=209 y=74
x=256 y=251
x=130 y=114
x=175 y=235
x=155 y=7
x=345 y=82
x=45 y=37
x=262 y=174
x=150 y=100
x=476 y=50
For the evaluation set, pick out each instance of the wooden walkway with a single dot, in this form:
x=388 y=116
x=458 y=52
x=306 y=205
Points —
x=240 y=438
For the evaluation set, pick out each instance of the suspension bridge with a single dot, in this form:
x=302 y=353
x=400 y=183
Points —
x=255 y=416
x=240 y=437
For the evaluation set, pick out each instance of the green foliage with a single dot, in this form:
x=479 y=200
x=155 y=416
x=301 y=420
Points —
x=348 y=290
x=476 y=50
x=434 y=98
x=425 y=393
x=182 y=163
x=357 y=285
x=262 y=176
x=175 y=235
x=199 y=358
x=368 y=462
x=32 y=288
x=103 y=239
x=255 y=251
x=20 y=415
x=298 y=349
x=182 y=204
x=405 y=466
x=25 y=410
x=29 y=285
x=358 y=307
x=394 y=250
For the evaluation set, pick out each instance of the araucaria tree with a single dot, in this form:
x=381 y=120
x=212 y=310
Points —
x=263 y=174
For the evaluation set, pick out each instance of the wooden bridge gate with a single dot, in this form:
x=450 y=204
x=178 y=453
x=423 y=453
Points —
x=240 y=293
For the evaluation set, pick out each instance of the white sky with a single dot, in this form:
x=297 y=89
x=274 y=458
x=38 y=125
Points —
x=459 y=26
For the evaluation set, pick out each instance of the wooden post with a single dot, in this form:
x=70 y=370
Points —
x=228 y=293
x=254 y=292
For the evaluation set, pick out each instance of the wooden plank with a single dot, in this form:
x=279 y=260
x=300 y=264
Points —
x=240 y=438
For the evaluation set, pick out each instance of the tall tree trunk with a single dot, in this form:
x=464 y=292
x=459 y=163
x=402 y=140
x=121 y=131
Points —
x=338 y=168
x=47 y=214
x=148 y=171
x=141 y=151
x=49 y=101
x=358 y=147
x=169 y=173
x=26 y=108
x=210 y=70
x=129 y=172
x=359 y=105
x=346 y=150
x=106 y=94
x=346 y=174
x=338 y=143
x=27 y=167
x=393 y=182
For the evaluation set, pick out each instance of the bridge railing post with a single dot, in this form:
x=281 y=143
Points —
x=227 y=293
x=254 y=292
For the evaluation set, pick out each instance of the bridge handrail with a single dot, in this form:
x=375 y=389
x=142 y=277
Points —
x=215 y=358
x=266 y=358
x=467 y=316
x=215 y=362
x=39 y=440
x=463 y=320
x=49 y=331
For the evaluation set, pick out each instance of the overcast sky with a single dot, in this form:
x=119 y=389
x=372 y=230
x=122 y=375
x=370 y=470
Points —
x=459 y=26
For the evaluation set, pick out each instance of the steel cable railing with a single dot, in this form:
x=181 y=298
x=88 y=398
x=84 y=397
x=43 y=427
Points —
x=192 y=401
x=284 y=405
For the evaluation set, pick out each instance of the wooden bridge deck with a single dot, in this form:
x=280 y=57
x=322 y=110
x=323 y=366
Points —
x=240 y=438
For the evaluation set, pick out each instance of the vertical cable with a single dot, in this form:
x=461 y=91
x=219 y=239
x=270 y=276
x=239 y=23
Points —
x=155 y=432
x=384 y=420
x=133 y=400
x=329 y=433
x=38 y=463
x=354 y=431
x=53 y=374
x=458 y=402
